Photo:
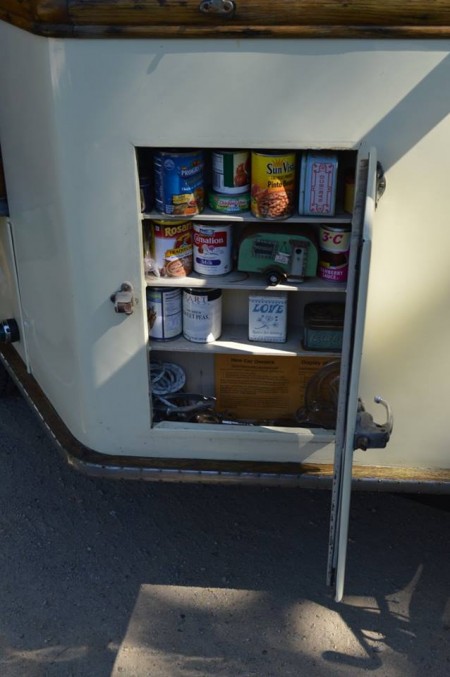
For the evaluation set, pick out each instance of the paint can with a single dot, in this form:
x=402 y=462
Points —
x=179 y=182
x=231 y=171
x=273 y=184
x=202 y=315
x=171 y=247
x=212 y=248
x=334 y=247
x=164 y=313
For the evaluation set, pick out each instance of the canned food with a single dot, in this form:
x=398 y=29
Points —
x=179 y=182
x=212 y=248
x=202 y=315
x=334 y=238
x=273 y=185
x=334 y=246
x=231 y=171
x=229 y=204
x=171 y=247
x=164 y=312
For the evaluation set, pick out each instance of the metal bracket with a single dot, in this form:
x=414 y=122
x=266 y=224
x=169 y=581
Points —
x=223 y=7
x=123 y=299
x=371 y=435
x=381 y=182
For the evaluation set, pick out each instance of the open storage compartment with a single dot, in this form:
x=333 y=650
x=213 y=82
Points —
x=236 y=384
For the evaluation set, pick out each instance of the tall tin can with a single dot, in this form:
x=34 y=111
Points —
x=164 y=313
x=202 y=315
x=231 y=171
x=179 y=182
x=334 y=247
x=171 y=247
x=212 y=248
x=273 y=184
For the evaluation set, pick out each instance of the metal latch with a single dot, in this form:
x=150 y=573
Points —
x=371 y=435
x=224 y=7
x=123 y=299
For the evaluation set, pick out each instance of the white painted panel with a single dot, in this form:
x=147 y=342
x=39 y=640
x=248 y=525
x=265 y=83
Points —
x=71 y=112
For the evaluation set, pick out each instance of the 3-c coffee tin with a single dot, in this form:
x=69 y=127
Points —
x=334 y=246
x=164 y=312
x=202 y=315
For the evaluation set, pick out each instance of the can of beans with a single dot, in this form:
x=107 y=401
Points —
x=273 y=184
x=212 y=248
x=171 y=247
x=231 y=171
x=179 y=182
x=202 y=315
x=164 y=313
x=334 y=246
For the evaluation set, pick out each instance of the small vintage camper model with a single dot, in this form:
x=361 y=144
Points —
x=363 y=82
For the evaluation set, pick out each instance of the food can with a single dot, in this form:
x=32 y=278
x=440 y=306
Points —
x=267 y=317
x=334 y=246
x=231 y=171
x=212 y=248
x=334 y=238
x=202 y=315
x=273 y=185
x=229 y=204
x=164 y=313
x=179 y=182
x=318 y=181
x=171 y=247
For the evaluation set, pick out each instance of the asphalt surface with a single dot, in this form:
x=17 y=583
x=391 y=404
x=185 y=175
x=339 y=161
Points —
x=130 y=579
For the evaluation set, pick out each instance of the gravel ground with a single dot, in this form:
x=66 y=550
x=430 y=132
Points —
x=102 y=577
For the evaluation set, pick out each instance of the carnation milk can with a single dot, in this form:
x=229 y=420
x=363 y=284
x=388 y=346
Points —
x=212 y=248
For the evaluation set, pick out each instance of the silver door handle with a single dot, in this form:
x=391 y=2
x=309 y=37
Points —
x=224 y=7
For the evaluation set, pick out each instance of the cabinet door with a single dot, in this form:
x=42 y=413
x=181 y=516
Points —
x=350 y=368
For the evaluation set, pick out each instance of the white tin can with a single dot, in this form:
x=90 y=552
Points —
x=267 y=317
x=202 y=315
x=212 y=248
x=164 y=312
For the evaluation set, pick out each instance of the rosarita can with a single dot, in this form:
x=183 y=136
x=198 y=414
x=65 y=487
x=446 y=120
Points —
x=179 y=182
x=212 y=248
x=202 y=315
x=231 y=171
x=171 y=247
x=164 y=313
x=273 y=184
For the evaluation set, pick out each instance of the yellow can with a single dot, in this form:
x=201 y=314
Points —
x=273 y=184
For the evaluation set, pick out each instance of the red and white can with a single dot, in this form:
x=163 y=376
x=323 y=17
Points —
x=212 y=248
x=334 y=248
